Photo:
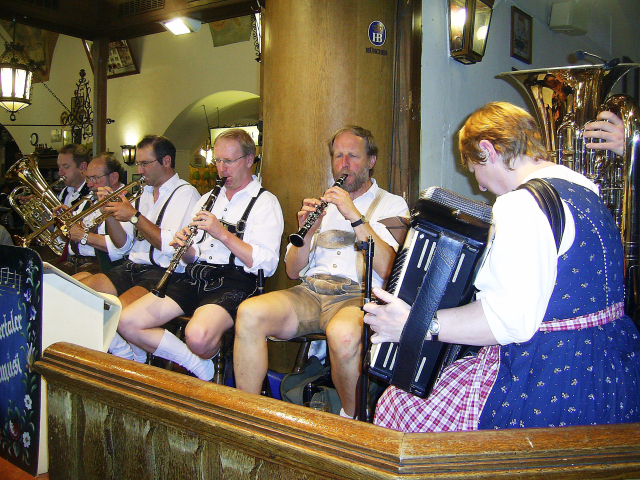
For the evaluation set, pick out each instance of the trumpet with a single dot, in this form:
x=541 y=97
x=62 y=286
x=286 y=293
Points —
x=65 y=224
x=161 y=287
x=297 y=239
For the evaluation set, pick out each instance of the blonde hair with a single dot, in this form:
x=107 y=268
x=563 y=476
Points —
x=512 y=131
x=247 y=145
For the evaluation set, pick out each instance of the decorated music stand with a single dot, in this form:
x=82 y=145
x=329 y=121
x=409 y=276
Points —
x=40 y=305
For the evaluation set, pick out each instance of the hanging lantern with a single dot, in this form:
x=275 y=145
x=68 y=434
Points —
x=468 y=29
x=15 y=79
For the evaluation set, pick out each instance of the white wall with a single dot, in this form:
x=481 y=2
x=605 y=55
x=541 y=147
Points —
x=175 y=72
x=451 y=91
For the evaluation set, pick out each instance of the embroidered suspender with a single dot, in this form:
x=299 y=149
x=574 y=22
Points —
x=159 y=220
x=239 y=228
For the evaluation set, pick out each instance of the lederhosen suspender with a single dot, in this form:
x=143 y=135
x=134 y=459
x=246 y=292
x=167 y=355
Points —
x=239 y=228
x=159 y=220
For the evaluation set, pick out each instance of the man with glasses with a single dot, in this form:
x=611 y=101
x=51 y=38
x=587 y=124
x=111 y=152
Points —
x=83 y=258
x=239 y=237
x=153 y=219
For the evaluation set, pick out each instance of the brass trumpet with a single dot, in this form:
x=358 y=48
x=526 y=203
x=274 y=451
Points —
x=65 y=224
x=67 y=219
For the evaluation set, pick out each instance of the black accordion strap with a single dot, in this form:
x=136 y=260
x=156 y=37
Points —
x=550 y=203
x=445 y=259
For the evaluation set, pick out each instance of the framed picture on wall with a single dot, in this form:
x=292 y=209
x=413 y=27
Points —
x=521 y=30
x=121 y=60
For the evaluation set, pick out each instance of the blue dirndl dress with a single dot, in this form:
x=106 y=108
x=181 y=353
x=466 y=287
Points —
x=582 y=367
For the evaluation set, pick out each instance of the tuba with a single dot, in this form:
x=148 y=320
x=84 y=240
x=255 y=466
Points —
x=38 y=210
x=565 y=100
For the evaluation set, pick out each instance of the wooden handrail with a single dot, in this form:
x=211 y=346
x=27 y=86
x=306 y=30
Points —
x=93 y=396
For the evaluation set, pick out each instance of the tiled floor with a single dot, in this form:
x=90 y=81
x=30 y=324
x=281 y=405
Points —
x=8 y=471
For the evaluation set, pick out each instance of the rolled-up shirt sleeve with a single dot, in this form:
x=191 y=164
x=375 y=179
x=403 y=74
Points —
x=518 y=275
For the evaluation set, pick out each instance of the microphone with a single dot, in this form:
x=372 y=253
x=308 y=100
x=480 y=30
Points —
x=580 y=54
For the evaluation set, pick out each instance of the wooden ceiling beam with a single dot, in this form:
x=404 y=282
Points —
x=102 y=19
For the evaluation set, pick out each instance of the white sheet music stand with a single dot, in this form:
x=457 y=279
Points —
x=74 y=313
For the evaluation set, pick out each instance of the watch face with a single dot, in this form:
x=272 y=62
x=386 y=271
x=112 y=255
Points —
x=434 y=327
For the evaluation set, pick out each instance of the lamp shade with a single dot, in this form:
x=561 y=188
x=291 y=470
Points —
x=469 y=22
x=128 y=154
x=15 y=79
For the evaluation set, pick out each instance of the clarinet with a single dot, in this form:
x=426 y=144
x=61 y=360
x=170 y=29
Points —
x=161 y=287
x=297 y=239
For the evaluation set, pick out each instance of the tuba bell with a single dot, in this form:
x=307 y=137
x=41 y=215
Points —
x=565 y=100
x=38 y=209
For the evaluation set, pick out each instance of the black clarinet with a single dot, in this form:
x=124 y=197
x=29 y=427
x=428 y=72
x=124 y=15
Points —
x=297 y=239
x=161 y=287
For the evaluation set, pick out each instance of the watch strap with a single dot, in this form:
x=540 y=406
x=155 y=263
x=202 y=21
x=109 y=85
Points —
x=359 y=222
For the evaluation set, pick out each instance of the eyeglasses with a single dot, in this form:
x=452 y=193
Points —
x=144 y=164
x=226 y=161
x=94 y=178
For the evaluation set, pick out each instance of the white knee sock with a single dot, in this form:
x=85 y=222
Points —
x=171 y=348
x=120 y=347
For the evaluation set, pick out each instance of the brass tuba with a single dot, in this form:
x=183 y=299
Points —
x=38 y=209
x=565 y=100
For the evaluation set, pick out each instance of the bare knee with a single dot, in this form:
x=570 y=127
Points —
x=249 y=320
x=127 y=326
x=201 y=340
x=344 y=339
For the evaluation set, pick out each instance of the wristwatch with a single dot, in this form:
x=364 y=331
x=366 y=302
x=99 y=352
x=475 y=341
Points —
x=434 y=328
x=358 y=222
x=135 y=218
x=85 y=237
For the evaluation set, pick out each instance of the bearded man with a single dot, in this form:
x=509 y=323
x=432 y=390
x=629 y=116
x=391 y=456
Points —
x=330 y=297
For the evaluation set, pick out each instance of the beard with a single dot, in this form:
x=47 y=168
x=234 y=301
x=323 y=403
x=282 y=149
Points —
x=356 y=182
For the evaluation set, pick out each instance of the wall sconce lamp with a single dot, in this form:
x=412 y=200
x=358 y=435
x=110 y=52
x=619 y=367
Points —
x=468 y=29
x=129 y=154
x=16 y=74
x=182 y=25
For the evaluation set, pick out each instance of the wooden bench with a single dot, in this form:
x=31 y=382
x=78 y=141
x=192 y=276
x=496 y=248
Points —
x=111 y=418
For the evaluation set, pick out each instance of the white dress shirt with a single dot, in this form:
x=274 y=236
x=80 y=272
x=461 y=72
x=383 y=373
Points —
x=343 y=261
x=176 y=216
x=518 y=275
x=263 y=230
x=69 y=195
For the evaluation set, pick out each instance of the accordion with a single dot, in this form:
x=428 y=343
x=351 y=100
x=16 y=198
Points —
x=435 y=268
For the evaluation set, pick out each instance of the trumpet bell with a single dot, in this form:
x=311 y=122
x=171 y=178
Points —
x=565 y=98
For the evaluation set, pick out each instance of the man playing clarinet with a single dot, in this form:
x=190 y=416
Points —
x=331 y=295
x=234 y=241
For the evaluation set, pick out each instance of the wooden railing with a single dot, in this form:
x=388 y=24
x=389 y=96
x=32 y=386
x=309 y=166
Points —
x=112 y=419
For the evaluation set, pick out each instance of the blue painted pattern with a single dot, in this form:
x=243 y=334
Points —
x=583 y=376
